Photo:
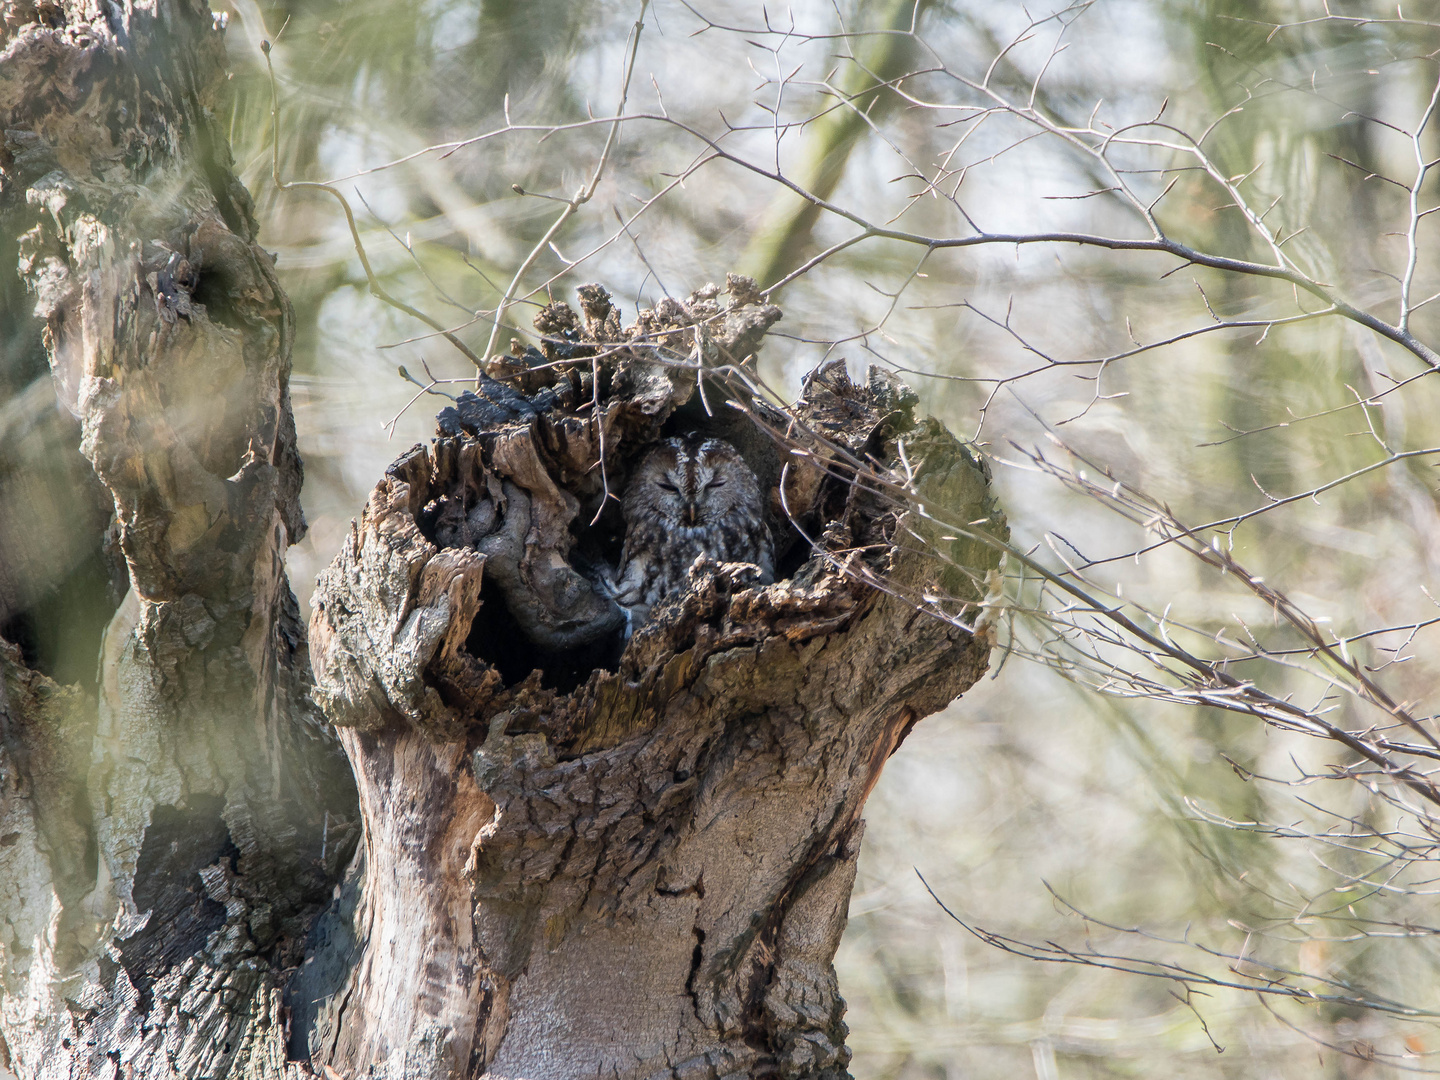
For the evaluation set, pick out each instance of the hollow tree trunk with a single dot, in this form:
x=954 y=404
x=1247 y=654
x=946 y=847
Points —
x=579 y=861
x=166 y=838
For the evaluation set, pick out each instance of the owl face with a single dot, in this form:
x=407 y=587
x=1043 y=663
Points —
x=691 y=485
x=688 y=498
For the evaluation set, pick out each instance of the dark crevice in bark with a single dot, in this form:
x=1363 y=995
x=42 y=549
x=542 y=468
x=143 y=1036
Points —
x=179 y=843
x=696 y=959
x=476 y=1066
x=497 y=638
x=331 y=950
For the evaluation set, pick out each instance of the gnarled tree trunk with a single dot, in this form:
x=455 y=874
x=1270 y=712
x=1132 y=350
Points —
x=633 y=865
x=578 y=852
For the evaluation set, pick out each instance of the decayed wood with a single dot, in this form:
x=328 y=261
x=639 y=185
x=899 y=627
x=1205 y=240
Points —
x=583 y=861
x=162 y=849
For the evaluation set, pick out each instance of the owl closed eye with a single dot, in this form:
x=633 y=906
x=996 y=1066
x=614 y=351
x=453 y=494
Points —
x=688 y=497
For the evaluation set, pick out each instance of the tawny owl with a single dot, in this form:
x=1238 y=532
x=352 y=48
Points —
x=688 y=497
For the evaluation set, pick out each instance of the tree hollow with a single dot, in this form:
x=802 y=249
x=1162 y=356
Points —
x=585 y=855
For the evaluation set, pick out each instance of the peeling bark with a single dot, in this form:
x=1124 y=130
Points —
x=584 y=856
x=170 y=839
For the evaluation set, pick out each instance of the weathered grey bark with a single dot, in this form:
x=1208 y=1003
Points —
x=165 y=842
x=627 y=865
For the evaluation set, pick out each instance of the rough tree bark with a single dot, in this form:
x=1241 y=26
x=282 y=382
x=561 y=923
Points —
x=572 y=853
x=161 y=851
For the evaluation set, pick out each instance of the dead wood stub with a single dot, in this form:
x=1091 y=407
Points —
x=631 y=856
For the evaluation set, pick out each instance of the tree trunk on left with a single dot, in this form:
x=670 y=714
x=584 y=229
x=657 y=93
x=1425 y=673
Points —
x=167 y=833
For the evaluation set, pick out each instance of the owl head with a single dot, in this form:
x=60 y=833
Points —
x=691 y=482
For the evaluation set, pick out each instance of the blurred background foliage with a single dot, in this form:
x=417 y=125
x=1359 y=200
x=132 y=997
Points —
x=1144 y=815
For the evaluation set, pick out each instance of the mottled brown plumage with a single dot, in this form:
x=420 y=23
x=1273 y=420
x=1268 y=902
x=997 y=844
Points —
x=688 y=497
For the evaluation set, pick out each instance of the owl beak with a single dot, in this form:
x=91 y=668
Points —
x=689 y=513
